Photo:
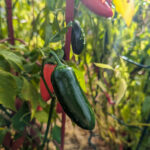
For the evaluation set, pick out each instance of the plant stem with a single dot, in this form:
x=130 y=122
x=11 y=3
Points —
x=56 y=58
x=51 y=106
x=49 y=121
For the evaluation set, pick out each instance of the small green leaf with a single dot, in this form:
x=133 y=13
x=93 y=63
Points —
x=104 y=66
x=12 y=58
x=3 y=121
x=146 y=108
x=121 y=91
x=56 y=134
x=8 y=90
x=80 y=77
x=19 y=83
x=4 y=64
x=48 y=33
x=21 y=118
x=41 y=116
x=2 y=135
x=29 y=92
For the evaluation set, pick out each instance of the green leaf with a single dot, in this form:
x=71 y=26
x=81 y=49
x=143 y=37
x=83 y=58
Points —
x=121 y=91
x=55 y=25
x=30 y=93
x=146 y=107
x=80 y=77
x=56 y=134
x=60 y=54
x=8 y=90
x=58 y=36
x=41 y=116
x=3 y=121
x=2 y=135
x=4 y=64
x=31 y=68
x=19 y=83
x=48 y=33
x=12 y=58
x=104 y=66
x=21 y=118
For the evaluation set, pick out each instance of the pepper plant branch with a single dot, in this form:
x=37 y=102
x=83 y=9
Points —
x=121 y=122
x=4 y=40
x=51 y=106
x=89 y=141
x=7 y=39
x=49 y=121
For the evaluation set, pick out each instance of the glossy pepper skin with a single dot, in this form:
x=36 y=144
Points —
x=47 y=72
x=71 y=97
x=99 y=7
x=77 y=38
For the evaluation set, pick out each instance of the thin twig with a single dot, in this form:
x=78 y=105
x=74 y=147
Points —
x=48 y=122
x=4 y=40
x=89 y=141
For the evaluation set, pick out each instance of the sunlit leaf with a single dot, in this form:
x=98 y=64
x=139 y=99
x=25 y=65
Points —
x=80 y=77
x=41 y=116
x=104 y=66
x=121 y=91
x=126 y=9
x=30 y=93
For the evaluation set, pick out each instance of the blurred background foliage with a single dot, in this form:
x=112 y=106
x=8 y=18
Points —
x=118 y=90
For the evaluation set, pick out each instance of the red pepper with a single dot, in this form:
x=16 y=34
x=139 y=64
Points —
x=47 y=72
x=99 y=7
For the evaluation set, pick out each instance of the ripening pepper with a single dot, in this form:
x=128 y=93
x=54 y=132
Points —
x=77 y=38
x=71 y=96
x=47 y=72
x=99 y=7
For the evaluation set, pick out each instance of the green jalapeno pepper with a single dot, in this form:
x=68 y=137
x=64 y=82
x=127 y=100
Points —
x=71 y=96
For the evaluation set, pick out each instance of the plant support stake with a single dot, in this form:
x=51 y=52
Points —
x=10 y=21
x=69 y=17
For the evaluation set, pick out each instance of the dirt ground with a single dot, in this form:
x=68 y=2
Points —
x=77 y=139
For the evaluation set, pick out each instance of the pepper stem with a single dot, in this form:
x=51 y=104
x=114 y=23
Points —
x=56 y=58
